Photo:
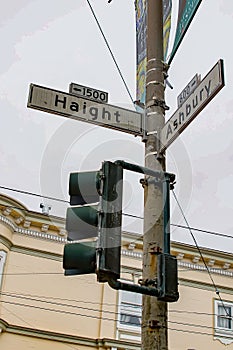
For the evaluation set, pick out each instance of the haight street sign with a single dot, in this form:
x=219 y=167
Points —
x=200 y=97
x=74 y=107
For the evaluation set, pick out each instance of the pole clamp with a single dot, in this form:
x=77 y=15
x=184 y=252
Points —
x=148 y=282
x=143 y=182
x=160 y=103
x=154 y=324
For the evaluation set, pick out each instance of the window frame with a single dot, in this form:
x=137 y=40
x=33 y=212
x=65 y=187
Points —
x=122 y=310
x=224 y=334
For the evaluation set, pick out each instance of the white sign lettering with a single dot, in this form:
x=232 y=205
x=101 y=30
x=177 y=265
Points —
x=186 y=92
x=74 y=107
x=201 y=96
x=89 y=93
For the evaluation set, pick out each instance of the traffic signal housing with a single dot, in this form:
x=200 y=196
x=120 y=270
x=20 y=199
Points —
x=94 y=222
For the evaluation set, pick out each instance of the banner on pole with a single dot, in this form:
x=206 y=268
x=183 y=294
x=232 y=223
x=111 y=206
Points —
x=140 y=6
x=187 y=10
x=167 y=9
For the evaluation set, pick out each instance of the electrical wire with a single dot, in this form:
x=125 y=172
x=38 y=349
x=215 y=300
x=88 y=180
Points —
x=15 y=315
x=30 y=273
x=63 y=312
x=199 y=250
x=189 y=332
x=203 y=231
x=57 y=311
x=131 y=215
x=10 y=295
x=57 y=298
x=131 y=306
x=71 y=347
x=29 y=324
x=116 y=318
x=111 y=53
x=184 y=331
x=57 y=273
x=188 y=227
x=124 y=214
x=194 y=239
x=33 y=194
x=190 y=324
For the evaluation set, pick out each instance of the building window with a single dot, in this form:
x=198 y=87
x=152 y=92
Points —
x=224 y=318
x=130 y=310
x=224 y=321
x=2 y=263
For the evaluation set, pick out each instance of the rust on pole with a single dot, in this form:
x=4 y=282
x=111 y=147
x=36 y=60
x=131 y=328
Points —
x=154 y=314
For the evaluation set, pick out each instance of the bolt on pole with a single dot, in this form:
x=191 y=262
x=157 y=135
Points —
x=154 y=314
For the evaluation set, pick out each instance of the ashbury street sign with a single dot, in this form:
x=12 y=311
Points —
x=200 y=97
x=74 y=107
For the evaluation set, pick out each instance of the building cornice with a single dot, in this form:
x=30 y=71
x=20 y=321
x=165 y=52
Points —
x=41 y=226
x=31 y=232
x=183 y=264
x=66 y=338
x=205 y=286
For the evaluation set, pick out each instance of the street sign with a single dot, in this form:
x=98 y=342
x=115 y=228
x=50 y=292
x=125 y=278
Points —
x=87 y=92
x=186 y=92
x=70 y=106
x=201 y=96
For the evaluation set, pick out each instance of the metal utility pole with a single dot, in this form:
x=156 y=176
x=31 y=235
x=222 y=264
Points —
x=154 y=313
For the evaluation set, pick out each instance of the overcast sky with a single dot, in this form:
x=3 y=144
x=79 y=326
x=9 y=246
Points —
x=53 y=43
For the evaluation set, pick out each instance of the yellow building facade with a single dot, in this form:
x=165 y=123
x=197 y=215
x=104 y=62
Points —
x=40 y=308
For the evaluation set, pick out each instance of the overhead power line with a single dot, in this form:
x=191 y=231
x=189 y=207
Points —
x=102 y=318
x=64 y=312
x=76 y=304
x=111 y=53
x=199 y=250
x=34 y=194
x=203 y=231
x=125 y=214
